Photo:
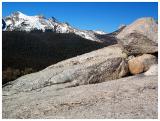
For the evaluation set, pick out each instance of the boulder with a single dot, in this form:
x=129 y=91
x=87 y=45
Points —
x=141 y=63
x=98 y=66
x=140 y=37
x=135 y=66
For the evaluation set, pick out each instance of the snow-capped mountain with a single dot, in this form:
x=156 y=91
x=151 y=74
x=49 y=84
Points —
x=22 y=22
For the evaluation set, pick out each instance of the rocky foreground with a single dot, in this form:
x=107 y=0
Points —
x=130 y=97
x=118 y=81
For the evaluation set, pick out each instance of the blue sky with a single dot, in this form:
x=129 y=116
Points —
x=106 y=16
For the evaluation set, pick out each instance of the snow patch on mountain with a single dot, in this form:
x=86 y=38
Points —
x=21 y=22
x=99 y=32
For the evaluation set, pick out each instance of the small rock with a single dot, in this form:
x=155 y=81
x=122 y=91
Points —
x=131 y=57
x=153 y=70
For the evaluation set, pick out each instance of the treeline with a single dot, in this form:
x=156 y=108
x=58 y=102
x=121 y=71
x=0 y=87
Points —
x=27 y=52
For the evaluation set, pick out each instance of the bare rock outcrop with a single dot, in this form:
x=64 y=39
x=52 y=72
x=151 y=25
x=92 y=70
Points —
x=141 y=63
x=71 y=89
x=140 y=37
x=89 y=85
x=98 y=66
x=128 y=97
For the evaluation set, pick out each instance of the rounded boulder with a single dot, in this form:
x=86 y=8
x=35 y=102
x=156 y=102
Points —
x=141 y=63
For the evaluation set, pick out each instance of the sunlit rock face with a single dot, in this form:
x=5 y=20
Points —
x=129 y=97
x=140 y=37
x=98 y=66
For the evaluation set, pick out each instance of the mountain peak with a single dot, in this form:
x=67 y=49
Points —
x=18 y=13
x=53 y=19
x=21 y=22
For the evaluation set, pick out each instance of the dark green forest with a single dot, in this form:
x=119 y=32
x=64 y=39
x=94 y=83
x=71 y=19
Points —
x=27 y=52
